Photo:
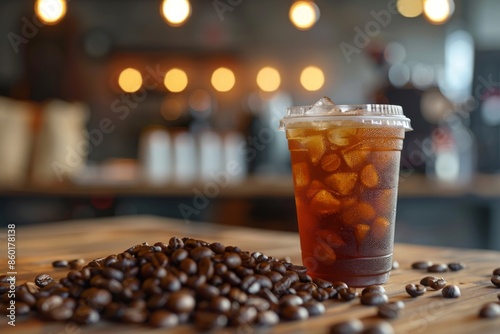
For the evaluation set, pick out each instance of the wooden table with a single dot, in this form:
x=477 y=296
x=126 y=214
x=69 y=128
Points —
x=39 y=245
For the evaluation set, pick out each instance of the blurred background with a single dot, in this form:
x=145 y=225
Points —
x=171 y=107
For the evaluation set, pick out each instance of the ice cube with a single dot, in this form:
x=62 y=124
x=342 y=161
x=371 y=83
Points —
x=342 y=183
x=324 y=203
x=360 y=231
x=332 y=239
x=296 y=133
x=324 y=253
x=381 y=228
x=360 y=212
x=342 y=136
x=381 y=132
x=382 y=199
x=316 y=147
x=387 y=165
x=324 y=101
x=330 y=162
x=301 y=175
x=369 y=176
x=296 y=145
x=314 y=188
x=355 y=158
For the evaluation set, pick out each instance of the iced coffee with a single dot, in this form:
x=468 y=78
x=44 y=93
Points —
x=345 y=167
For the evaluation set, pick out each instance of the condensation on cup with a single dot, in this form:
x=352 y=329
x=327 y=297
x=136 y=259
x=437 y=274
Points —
x=345 y=168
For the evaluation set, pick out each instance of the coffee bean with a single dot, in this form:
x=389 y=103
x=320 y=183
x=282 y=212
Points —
x=395 y=265
x=208 y=320
x=232 y=260
x=220 y=304
x=425 y=281
x=415 y=290
x=421 y=264
x=163 y=319
x=496 y=272
x=456 y=266
x=44 y=305
x=235 y=294
x=206 y=267
x=85 y=315
x=26 y=297
x=97 y=298
x=217 y=247
x=496 y=281
x=201 y=252
x=374 y=298
x=437 y=283
x=382 y=327
x=438 y=268
x=298 y=269
x=175 y=243
x=43 y=280
x=157 y=301
x=207 y=291
x=179 y=254
x=339 y=285
x=181 y=301
x=134 y=315
x=321 y=283
x=347 y=327
x=274 y=276
x=490 y=310
x=189 y=266
x=348 y=294
x=291 y=312
x=244 y=315
x=314 y=308
x=269 y=296
x=267 y=318
x=390 y=310
x=373 y=289
x=320 y=294
x=451 y=291
x=60 y=264
x=59 y=313
x=76 y=263
x=290 y=300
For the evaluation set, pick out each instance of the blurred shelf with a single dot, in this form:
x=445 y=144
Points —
x=483 y=185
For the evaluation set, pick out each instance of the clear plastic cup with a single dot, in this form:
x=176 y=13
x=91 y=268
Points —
x=345 y=167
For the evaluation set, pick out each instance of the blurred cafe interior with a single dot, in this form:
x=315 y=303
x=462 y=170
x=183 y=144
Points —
x=172 y=107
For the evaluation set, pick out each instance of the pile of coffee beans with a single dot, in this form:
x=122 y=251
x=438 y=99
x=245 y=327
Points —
x=438 y=267
x=355 y=326
x=186 y=280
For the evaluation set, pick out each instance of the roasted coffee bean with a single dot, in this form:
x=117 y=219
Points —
x=206 y=267
x=332 y=292
x=292 y=300
x=281 y=286
x=438 y=268
x=237 y=295
x=437 y=283
x=264 y=281
x=76 y=263
x=456 y=266
x=209 y=320
x=490 y=310
x=163 y=319
x=321 y=283
x=231 y=278
x=232 y=260
x=390 y=310
x=43 y=280
x=134 y=315
x=44 y=305
x=353 y=326
x=298 y=269
x=60 y=264
x=263 y=267
x=189 y=266
x=269 y=296
x=374 y=298
x=4 y=279
x=451 y=291
x=421 y=264
x=22 y=308
x=382 y=327
x=339 y=285
x=217 y=247
x=320 y=294
x=395 y=265
x=415 y=290
x=314 y=308
x=220 y=304
x=201 y=252
x=207 y=291
x=373 y=289
x=348 y=294
x=274 y=276
x=59 y=313
x=85 y=315
x=157 y=301
x=244 y=315
x=97 y=298
x=196 y=281
x=112 y=273
x=26 y=297
x=267 y=318
x=425 y=281
x=181 y=301
x=291 y=312
x=278 y=266
x=496 y=281
x=179 y=255
x=175 y=243
x=496 y=272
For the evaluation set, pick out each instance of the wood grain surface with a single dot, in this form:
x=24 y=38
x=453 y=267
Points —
x=39 y=245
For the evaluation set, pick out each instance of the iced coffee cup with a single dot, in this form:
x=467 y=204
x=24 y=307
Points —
x=345 y=167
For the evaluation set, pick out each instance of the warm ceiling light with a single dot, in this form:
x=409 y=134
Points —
x=130 y=80
x=312 y=78
x=223 y=79
x=268 y=79
x=303 y=14
x=410 y=8
x=176 y=80
x=175 y=12
x=50 y=11
x=438 y=11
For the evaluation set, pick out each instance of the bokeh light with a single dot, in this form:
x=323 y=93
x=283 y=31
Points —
x=268 y=79
x=175 y=12
x=173 y=107
x=200 y=100
x=50 y=11
x=304 y=14
x=394 y=53
x=438 y=11
x=176 y=80
x=410 y=8
x=223 y=79
x=312 y=78
x=399 y=74
x=130 y=80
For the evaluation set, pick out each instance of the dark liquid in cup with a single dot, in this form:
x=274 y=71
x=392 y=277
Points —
x=346 y=182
